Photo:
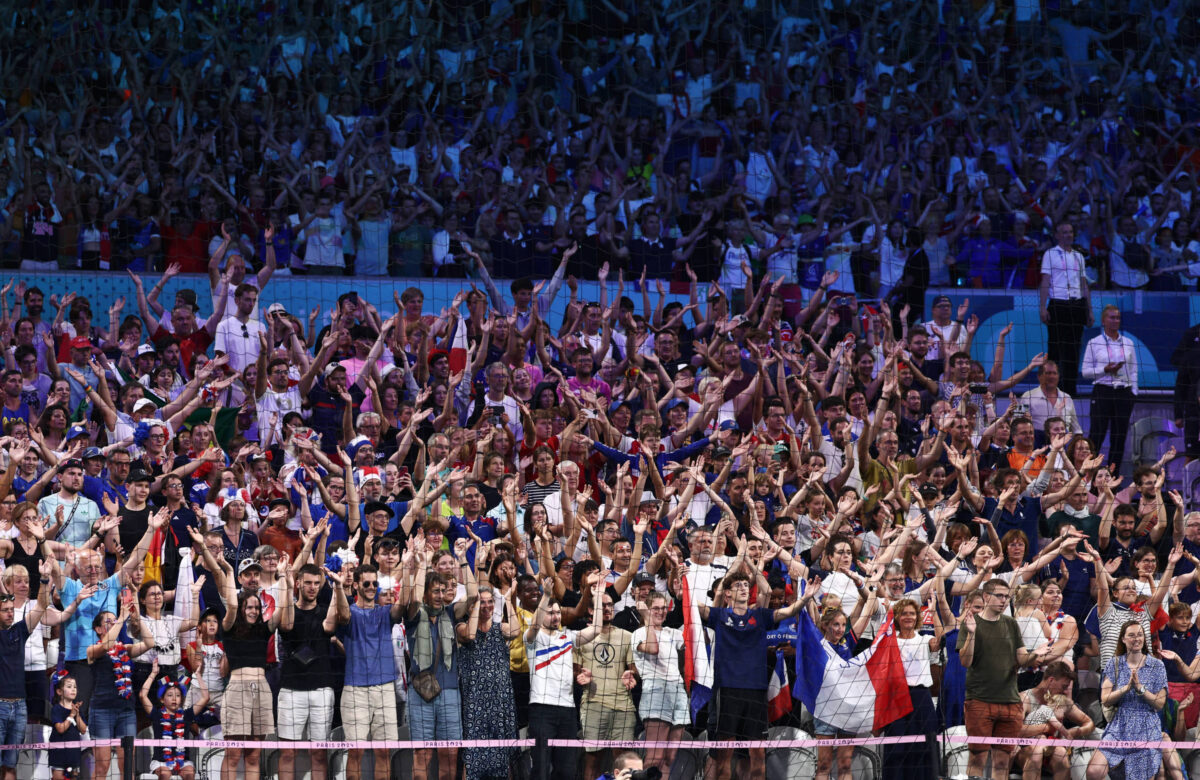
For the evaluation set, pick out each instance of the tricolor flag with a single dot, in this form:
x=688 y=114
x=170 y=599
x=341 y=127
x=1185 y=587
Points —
x=779 y=698
x=863 y=694
x=458 y=347
x=697 y=661
x=859 y=98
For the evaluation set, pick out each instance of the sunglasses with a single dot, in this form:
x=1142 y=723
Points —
x=7 y=597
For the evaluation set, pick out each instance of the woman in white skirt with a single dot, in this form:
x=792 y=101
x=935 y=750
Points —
x=664 y=703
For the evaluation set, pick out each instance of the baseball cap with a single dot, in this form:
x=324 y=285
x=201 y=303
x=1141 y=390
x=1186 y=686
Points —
x=805 y=219
x=247 y=565
x=280 y=501
x=334 y=366
x=146 y=349
x=940 y=299
x=274 y=308
x=642 y=578
x=80 y=343
x=91 y=452
x=730 y=425
x=673 y=403
x=75 y=431
x=70 y=463
x=143 y=403
x=139 y=475
x=721 y=452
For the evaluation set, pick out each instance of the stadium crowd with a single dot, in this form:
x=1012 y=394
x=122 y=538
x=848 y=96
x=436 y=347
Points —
x=519 y=513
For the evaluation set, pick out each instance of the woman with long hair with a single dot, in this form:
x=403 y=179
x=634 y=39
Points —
x=161 y=630
x=52 y=425
x=247 y=714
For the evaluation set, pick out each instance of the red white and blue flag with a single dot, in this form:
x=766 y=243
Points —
x=863 y=694
x=697 y=657
x=458 y=347
x=779 y=698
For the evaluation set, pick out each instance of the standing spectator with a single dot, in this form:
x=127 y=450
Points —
x=79 y=513
x=238 y=334
x=1186 y=359
x=13 y=635
x=486 y=686
x=740 y=704
x=988 y=644
x=79 y=632
x=607 y=676
x=552 y=713
x=322 y=232
x=433 y=645
x=112 y=711
x=306 y=685
x=248 y=711
x=1065 y=302
x=1111 y=362
x=369 y=698
x=1135 y=686
x=663 y=706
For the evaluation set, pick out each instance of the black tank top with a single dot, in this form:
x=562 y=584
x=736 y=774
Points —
x=31 y=564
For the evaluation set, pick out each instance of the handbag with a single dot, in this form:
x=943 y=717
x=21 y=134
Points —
x=426 y=685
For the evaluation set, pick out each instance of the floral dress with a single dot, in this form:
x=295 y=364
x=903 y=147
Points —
x=488 y=711
x=1135 y=719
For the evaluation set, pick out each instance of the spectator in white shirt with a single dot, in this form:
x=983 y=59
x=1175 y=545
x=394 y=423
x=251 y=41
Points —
x=1110 y=361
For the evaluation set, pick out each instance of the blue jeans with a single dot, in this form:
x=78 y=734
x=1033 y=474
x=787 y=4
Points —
x=12 y=730
x=107 y=722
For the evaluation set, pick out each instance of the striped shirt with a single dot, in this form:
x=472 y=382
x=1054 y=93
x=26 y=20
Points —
x=552 y=668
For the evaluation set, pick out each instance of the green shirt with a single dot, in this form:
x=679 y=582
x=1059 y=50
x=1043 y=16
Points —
x=992 y=675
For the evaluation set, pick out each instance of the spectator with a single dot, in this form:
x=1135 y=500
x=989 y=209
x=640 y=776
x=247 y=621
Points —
x=13 y=635
x=1066 y=305
x=1135 y=687
x=988 y=644
x=1110 y=361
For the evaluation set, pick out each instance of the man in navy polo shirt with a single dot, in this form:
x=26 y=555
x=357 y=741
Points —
x=473 y=518
x=740 y=705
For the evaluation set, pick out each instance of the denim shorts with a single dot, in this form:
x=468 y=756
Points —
x=106 y=722
x=437 y=719
x=12 y=730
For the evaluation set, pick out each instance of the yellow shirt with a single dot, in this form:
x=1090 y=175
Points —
x=517 y=660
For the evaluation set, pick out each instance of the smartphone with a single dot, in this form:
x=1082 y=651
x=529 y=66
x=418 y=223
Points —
x=978 y=389
x=496 y=412
x=402 y=472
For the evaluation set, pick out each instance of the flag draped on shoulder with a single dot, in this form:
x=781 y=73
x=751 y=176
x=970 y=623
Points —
x=863 y=694
x=697 y=661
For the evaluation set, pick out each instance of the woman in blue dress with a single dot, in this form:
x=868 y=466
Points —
x=1136 y=685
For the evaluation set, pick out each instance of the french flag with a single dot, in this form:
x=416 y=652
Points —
x=779 y=698
x=458 y=347
x=863 y=694
x=697 y=658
